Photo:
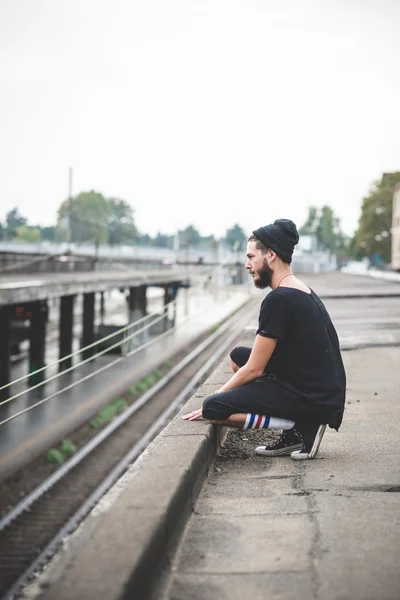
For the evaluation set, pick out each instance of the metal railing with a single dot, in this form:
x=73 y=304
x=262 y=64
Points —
x=126 y=334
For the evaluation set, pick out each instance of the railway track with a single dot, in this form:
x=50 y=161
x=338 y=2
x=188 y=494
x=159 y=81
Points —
x=33 y=530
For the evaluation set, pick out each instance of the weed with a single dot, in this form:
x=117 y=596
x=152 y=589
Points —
x=67 y=448
x=54 y=456
x=108 y=412
x=119 y=404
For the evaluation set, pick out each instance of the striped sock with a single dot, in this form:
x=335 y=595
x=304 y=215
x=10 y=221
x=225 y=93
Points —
x=254 y=421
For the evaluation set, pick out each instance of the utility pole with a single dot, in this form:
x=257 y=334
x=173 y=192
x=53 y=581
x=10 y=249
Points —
x=187 y=252
x=69 y=233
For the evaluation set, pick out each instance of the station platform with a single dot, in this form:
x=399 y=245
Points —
x=35 y=431
x=200 y=516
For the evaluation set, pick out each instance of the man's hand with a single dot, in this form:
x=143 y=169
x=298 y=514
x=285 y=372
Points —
x=193 y=416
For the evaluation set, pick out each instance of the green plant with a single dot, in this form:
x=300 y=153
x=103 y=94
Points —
x=54 y=456
x=67 y=448
x=142 y=385
x=108 y=412
x=119 y=404
x=151 y=380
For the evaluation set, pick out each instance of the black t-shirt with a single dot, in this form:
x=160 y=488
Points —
x=306 y=360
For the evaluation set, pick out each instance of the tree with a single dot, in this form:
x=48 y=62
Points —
x=48 y=233
x=31 y=235
x=121 y=224
x=163 y=240
x=311 y=224
x=207 y=241
x=144 y=239
x=325 y=226
x=87 y=215
x=13 y=221
x=189 y=236
x=373 y=237
x=235 y=237
x=328 y=230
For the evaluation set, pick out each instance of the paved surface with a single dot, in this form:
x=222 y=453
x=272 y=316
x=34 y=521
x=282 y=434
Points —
x=325 y=529
x=264 y=529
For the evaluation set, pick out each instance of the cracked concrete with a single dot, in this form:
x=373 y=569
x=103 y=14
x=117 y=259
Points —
x=327 y=529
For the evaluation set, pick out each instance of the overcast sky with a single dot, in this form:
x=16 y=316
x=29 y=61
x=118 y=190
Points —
x=205 y=112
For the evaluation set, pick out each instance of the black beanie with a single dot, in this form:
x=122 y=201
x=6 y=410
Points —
x=280 y=236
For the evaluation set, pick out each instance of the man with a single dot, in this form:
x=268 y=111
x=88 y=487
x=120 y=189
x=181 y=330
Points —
x=293 y=377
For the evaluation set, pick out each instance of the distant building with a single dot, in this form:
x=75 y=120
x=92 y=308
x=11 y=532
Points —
x=396 y=228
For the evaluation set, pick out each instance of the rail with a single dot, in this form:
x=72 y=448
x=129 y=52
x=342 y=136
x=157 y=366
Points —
x=117 y=422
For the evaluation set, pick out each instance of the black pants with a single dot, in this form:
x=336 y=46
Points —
x=263 y=396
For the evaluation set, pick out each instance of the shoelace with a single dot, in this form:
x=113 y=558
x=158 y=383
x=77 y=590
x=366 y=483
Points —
x=280 y=439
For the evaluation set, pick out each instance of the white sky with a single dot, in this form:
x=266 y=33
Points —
x=207 y=112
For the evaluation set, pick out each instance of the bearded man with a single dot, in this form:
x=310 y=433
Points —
x=293 y=377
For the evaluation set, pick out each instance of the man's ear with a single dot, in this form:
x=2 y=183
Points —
x=271 y=255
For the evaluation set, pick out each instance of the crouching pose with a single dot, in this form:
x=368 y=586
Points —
x=293 y=377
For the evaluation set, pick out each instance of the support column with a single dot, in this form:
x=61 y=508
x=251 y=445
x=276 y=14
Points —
x=88 y=323
x=37 y=340
x=66 y=328
x=137 y=303
x=102 y=308
x=170 y=293
x=137 y=308
x=5 y=342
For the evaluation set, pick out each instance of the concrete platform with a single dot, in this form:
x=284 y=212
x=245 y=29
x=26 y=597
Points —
x=16 y=289
x=34 y=432
x=254 y=528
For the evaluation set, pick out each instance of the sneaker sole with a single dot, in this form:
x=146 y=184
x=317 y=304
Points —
x=261 y=451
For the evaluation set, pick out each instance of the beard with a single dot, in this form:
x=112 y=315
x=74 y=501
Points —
x=264 y=277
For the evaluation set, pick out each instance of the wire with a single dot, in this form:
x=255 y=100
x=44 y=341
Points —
x=100 y=369
x=92 y=374
x=81 y=350
x=84 y=361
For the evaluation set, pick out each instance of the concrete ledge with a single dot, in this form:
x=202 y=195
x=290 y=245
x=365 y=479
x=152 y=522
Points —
x=121 y=549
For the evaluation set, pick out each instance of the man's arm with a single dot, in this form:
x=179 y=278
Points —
x=261 y=352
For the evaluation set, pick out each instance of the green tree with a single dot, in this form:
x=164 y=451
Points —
x=235 y=237
x=311 y=224
x=325 y=226
x=14 y=220
x=328 y=230
x=163 y=240
x=88 y=214
x=207 y=241
x=189 y=236
x=48 y=233
x=144 y=239
x=373 y=237
x=121 y=223
x=27 y=234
